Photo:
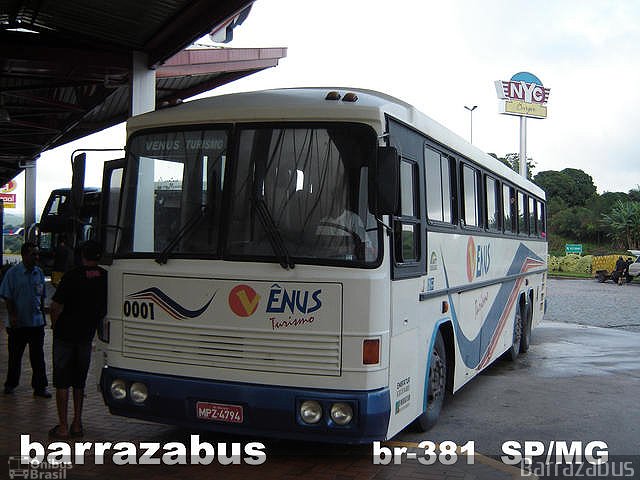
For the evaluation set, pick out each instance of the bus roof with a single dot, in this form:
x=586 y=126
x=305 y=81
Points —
x=310 y=104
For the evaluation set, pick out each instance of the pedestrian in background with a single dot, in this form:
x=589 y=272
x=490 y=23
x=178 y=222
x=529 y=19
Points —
x=23 y=290
x=79 y=303
x=63 y=260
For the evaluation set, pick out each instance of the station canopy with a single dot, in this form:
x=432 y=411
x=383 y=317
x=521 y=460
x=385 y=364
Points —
x=66 y=66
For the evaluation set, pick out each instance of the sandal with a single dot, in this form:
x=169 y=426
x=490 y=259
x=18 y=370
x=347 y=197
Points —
x=55 y=433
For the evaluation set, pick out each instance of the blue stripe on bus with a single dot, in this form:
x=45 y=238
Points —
x=269 y=411
x=473 y=351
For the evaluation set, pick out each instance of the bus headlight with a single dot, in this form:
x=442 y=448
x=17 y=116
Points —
x=310 y=411
x=118 y=389
x=138 y=392
x=341 y=413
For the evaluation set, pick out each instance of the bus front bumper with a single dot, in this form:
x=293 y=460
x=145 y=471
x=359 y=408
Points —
x=247 y=409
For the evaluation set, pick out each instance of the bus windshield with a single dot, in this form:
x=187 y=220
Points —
x=287 y=193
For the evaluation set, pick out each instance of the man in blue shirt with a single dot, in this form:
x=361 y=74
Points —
x=24 y=292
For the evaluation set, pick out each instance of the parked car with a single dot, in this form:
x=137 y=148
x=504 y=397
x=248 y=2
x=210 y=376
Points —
x=634 y=268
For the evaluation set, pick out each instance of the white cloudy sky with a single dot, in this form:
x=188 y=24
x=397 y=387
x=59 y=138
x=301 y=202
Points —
x=442 y=55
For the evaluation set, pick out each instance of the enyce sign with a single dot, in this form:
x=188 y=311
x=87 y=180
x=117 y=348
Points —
x=523 y=95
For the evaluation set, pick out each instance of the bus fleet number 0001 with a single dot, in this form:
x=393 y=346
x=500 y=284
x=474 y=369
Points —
x=138 y=309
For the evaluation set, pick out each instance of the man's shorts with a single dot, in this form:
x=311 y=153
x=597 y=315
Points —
x=70 y=363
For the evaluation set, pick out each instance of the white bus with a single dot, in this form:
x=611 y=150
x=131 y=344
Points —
x=316 y=264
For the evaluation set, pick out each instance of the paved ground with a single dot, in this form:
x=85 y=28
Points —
x=577 y=383
x=588 y=302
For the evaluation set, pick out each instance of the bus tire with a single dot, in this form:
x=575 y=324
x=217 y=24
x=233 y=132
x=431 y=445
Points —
x=601 y=277
x=437 y=386
x=525 y=340
x=514 y=349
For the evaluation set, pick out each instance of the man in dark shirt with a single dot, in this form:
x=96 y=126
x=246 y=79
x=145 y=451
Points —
x=79 y=303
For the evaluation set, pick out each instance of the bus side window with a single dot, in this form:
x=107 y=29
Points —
x=492 y=203
x=522 y=215
x=470 y=189
x=508 y=208
x=438 y=168
x=540 y=220
x=532 y=217
x=407 y=226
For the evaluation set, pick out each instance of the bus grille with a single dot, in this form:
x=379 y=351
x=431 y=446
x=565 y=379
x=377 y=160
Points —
x=290 y=352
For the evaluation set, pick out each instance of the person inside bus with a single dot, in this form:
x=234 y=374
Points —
x=79 y=303
x=349 y=225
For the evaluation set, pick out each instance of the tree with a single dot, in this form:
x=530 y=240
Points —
x=623 y=223
x=582 y=186
x=573 y=186
x=604 y=203
x=512 y=160
x=12 y=243
x=575 y=222
x=600 y=205
x=634 y=194
x=554 y=185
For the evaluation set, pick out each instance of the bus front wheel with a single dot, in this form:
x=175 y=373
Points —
x=436 y=387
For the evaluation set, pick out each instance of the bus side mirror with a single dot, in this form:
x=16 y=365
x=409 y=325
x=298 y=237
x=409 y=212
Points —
x=77 y=181
x=387 y=181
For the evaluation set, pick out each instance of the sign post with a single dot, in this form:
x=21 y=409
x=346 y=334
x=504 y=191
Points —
x=524 y=96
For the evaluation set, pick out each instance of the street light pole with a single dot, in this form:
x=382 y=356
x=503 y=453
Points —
x=471 y=109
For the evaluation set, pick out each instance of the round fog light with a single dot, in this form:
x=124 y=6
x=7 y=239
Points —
x=118 y=389
x=138 y=392
x=310 y=411
x=341 y=413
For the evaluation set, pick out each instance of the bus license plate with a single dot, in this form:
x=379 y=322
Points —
x=219 y=412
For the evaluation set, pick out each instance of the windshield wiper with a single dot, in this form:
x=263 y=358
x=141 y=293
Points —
x=273 y=234
x=188 y=226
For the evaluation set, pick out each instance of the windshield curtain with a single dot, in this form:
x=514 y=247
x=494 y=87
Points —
x=313 y=180
x=174 y=182
x=300 y=187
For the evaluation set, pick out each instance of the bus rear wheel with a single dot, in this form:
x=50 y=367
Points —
x=525 y=340
x=514 y=350
x=436 y=387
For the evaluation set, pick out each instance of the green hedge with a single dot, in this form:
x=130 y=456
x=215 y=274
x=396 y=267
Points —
x=571 y=263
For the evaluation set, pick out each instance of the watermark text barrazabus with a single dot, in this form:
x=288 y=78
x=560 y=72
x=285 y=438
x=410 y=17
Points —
x=144 y=453
x=564 y=459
